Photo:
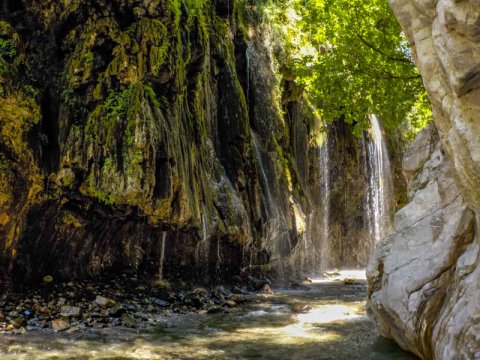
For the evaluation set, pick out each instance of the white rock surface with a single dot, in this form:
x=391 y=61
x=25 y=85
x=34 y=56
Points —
x=424 y=281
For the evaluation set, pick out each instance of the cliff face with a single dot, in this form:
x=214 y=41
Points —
x=128 y=127
x=134 y=132
x=124 y=120
x=424 y=280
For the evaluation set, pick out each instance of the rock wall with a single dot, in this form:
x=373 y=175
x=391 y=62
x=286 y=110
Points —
x=424 y=279
x=132 y=126
x=127 y=122
x=123 y=120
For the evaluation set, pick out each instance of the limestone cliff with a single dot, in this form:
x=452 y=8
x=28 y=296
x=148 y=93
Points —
x=424 y=279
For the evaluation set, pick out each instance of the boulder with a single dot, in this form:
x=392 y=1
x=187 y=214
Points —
x=424 y=278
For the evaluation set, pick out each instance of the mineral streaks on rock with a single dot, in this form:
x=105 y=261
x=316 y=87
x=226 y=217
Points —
x=423 y=281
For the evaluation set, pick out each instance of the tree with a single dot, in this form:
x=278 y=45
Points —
x=354 y=60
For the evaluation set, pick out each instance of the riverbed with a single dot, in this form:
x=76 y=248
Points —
x=325 y=320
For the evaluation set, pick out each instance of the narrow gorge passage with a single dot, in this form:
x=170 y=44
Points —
x=236 y=179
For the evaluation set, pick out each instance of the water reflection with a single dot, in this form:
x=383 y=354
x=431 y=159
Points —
x=335 y=327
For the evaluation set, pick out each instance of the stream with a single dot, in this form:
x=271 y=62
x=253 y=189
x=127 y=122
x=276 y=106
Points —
x=326 y=322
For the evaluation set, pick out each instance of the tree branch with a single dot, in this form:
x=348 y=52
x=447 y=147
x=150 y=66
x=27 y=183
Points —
x=403 y=60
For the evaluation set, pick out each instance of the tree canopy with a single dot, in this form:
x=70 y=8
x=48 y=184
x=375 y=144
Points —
x=354 y=61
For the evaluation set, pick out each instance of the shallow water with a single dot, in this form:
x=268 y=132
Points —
x=334 y=328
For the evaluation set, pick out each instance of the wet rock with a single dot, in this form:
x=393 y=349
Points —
x=73 y=330
x=230 y=304
x=297 y=286
x=116 y=311
x=70 y=311
x=239 y=298
x=104 y=301
x=240 y=290
x=221 y=290
x=61 y=324
x=266 y=289
x=129 y=320
x=18 y=323
x=300 y=308
x=42 y=309
x=160 y=302
x=348 y=281
x=215 y=310
x=20 y=331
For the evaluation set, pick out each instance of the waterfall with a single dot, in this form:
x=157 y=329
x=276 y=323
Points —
x=324 y=159
x=276 y=236
x=162 y=255
x=380 y=189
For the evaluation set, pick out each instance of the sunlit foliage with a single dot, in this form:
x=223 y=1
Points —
x=353 y=60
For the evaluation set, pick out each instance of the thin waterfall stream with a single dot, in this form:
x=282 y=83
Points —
x=162 y=255
x=325 y=202
x=380 y=190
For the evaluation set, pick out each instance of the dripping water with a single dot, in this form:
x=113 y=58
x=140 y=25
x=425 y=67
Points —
x=203 y=246
x=162 y=255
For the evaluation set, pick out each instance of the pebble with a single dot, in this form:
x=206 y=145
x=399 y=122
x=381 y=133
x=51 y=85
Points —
x=160 y=302
x=129 y=320
x=48 y=279
x=215 y=310
x=239 y=298
x=116 y=310
x=266 y=289
x=78 y=306
x=230 y=304
x=300 y=308
x=104 y=301
x=61 y=324
x=70 y=311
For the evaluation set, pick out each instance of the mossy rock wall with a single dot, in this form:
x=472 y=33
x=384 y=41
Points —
x=127 y=122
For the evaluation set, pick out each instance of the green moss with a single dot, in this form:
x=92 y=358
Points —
x=8 y=48
x=88 y=58
x=152 y=96
x=109 y=165
x=90 y=189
